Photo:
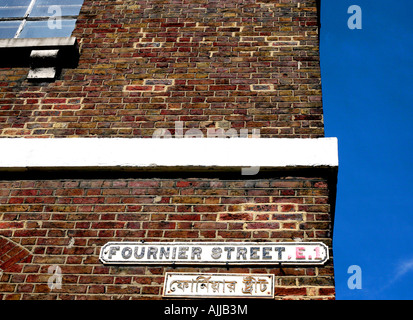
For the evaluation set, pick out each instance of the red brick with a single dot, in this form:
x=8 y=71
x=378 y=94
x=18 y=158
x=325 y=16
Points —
x=326 y=291
x=207 y=68
x=183 y=217
x=286 y=291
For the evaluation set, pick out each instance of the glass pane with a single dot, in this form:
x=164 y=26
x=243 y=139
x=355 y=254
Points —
x=47 y=8
x=8 y=29
x=13 y=8
x=46 y=29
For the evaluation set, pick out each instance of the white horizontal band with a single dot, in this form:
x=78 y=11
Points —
x=37 y=42
x=78 y=153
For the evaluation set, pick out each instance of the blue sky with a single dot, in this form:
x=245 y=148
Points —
x=367 y=78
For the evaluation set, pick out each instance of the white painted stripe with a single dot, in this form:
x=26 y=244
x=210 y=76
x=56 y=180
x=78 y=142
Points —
x=20 y=153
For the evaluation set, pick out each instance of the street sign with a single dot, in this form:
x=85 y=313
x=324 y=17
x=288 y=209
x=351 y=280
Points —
x=217 y=253
x=226 y=285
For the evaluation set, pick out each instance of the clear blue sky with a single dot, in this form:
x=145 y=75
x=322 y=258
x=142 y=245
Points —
x=367 y=78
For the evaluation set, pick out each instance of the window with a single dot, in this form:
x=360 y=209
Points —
x=38 y=18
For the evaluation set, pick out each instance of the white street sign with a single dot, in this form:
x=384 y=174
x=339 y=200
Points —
x=219 y=253
x=229 y=285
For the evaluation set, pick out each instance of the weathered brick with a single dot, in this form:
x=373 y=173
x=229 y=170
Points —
x=202 y=63
x=149 y=62
x=289 y=291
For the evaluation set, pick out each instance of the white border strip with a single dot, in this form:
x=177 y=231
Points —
x=37 y=42
x=25 y=153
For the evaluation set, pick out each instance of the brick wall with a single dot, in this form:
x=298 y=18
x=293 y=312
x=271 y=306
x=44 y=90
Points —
x=146 y=64
x=66 y=222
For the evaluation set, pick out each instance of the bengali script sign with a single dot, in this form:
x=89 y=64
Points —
x=230 y=285
x=229 y=253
